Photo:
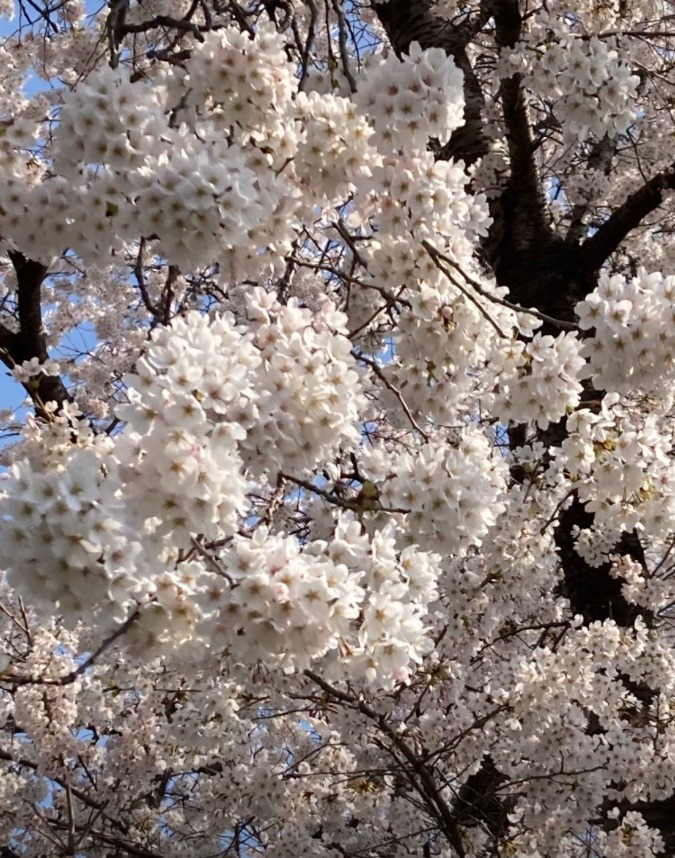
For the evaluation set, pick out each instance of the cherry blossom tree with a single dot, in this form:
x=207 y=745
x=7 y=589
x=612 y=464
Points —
x=338 y=518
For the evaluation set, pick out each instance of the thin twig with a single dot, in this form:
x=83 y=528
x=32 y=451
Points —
x=342 y=43
x=217 y=565
x=570 y=326
x=354 y=506
x=420 y=774
x=555 y=512
x=11 y=616
x=439 y=260
x=397 y=393
x=83 y=666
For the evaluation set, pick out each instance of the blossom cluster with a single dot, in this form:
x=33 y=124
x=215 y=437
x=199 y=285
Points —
x=179 y=458
x=553 y=689
x=125 y=167
x=422 y=197
x=539 y=380
x=203 y=413
x=620 y=464
x=264 y=597
x=630 y=322
x=441 y=340
x=411 y=101
x=639 y=586
x=211 y=169
x=64 y=536
x=451 y=490
x=247 y=85
x=335 y=151
x=353 y=594
x=634 y=838
x=32 y=368
x=310 y=394
x=593 y=88
x=108 y=120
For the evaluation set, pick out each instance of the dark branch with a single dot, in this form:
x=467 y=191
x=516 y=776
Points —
x=31 y=342
x=630 y=214
x=599 y=160
x=524 y=183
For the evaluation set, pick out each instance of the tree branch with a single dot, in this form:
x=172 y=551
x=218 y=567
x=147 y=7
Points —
x=423 y=781
x=31 y=341
x=630 y=214
x=524 y=182
x=600 y=160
